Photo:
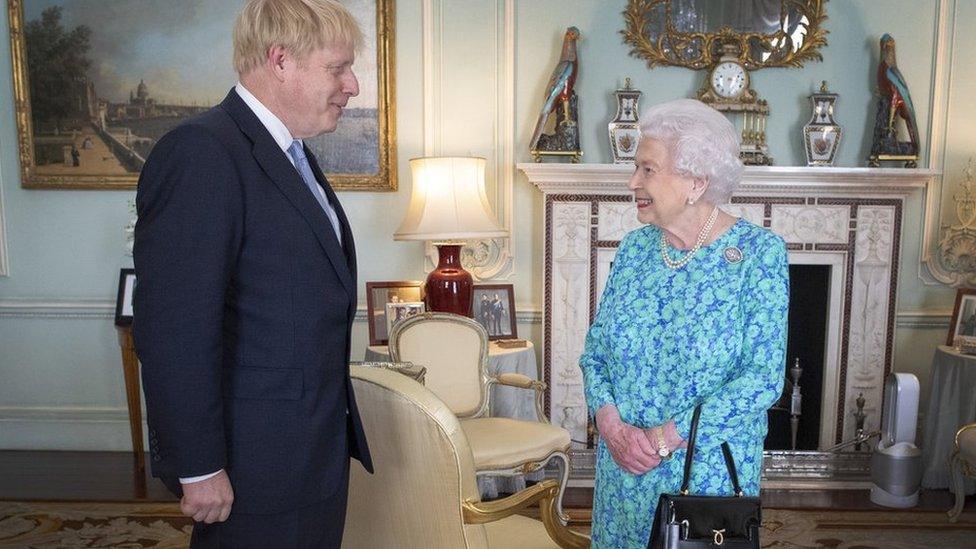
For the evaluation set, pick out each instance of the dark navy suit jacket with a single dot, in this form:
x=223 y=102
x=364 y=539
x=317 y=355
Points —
x=243 y=311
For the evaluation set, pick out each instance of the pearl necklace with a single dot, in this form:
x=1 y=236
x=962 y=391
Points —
x=702 y=236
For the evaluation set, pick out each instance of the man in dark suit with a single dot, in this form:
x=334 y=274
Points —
x=246 y=292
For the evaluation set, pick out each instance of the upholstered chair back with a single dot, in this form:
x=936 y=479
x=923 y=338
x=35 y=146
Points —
x=454 y=349
x=423 y=469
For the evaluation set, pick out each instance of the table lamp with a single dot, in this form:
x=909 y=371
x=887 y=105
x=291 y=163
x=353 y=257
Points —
x=448 y=205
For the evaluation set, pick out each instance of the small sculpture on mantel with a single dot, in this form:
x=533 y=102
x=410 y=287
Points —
x=561 y=99
x=895 y=102
x=624 y=128
x=821 y=136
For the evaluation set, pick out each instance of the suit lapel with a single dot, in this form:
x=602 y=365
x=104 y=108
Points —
x=349 y=246
x=274 y=163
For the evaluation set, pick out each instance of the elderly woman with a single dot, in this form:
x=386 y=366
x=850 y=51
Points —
x=694 y=312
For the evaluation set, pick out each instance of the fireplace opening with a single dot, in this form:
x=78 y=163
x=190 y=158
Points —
x=809 y=299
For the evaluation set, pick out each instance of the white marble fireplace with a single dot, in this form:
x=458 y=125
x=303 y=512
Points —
x=847 y=218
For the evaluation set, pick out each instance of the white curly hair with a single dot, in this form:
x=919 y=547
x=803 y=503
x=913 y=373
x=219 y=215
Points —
x=703 y=144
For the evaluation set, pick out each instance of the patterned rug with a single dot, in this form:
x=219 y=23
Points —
x=136 y=525
x=813 y=529
x=126 y=525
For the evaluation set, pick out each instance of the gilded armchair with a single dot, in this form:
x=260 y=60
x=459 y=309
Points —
x=962 y=463
x=424 y=491
x=454 y=349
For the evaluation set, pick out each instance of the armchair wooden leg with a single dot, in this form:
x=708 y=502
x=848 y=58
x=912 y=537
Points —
x=563 y=481
x=557 y=529
x=955 y=471
x=544 y=494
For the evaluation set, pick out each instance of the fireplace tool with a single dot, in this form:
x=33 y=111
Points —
x=860 y=437
x=791 y=400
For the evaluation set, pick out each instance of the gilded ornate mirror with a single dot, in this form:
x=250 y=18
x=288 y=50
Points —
x=692 y=33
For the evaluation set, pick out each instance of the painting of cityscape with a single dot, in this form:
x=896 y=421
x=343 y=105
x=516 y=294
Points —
x=97 y=84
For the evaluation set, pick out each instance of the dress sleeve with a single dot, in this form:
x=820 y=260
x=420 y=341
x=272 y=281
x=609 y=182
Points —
x=598 y=387
x=759 y=382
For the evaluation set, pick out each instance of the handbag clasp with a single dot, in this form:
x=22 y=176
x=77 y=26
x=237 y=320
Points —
x=719 y=538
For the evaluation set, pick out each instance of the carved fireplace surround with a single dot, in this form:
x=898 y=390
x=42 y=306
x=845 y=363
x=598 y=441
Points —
x=847 y=218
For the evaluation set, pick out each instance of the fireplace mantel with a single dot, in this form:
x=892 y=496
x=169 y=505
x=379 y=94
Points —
x=612 y=179
x=848 y=218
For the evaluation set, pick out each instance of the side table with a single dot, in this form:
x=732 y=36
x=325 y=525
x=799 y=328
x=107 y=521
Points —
x=952 y=404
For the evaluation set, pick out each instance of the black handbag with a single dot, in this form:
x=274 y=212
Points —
x=686 y=521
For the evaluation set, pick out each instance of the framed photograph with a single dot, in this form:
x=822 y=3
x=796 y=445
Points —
x=96 y=84
x=493 y=306
x=381 y=294
x=963 y=323
x=396 y=312
x=123 y=303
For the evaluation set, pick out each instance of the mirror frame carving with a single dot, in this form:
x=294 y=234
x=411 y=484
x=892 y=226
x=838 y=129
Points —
x=637 y=17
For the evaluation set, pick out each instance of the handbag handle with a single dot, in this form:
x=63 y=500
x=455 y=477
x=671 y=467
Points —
x=726 y=452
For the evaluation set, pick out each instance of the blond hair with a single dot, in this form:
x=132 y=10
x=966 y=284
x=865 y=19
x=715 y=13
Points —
x=299 y=26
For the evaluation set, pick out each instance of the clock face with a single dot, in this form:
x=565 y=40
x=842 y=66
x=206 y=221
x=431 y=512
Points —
x=729 y=79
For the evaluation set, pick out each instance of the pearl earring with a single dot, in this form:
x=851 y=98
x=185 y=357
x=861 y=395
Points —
x=691 y=201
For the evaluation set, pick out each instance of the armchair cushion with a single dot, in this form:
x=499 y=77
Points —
x=502 y=443
x=421 y=459
x=454 y=349
x=967 y=444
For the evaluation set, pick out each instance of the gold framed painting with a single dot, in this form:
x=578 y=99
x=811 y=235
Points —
x=96 y=84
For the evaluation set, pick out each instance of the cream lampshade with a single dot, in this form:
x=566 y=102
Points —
x=448 y=204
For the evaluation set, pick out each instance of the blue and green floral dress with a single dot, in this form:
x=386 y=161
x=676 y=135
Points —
x=663 y=341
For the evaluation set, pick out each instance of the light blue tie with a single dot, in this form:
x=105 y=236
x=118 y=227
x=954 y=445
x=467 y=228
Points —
x=297 y=153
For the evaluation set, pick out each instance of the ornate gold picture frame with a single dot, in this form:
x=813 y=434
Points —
x=94 y=91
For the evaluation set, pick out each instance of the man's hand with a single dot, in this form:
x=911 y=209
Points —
x=627 y=444
x=208 y=500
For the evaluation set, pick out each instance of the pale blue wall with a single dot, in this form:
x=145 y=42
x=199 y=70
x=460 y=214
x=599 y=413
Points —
x=61 y=382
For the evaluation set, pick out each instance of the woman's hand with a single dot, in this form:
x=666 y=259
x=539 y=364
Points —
x=627 y=444
x=671 y=436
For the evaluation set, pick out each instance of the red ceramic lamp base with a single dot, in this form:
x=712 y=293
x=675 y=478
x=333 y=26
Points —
x=449 y=287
